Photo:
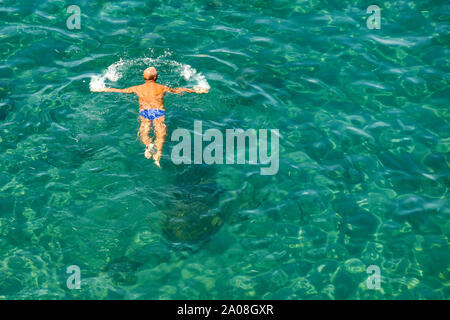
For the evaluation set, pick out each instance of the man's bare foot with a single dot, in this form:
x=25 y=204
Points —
x=156 y=157
x=149 y=151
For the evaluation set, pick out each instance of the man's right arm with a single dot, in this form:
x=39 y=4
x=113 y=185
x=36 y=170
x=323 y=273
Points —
x=181 y=90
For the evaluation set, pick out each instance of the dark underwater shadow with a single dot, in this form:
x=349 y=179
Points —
x=191 y=208
x=190 y=215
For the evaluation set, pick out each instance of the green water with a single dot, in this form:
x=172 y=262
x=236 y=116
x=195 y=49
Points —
x=364 y=151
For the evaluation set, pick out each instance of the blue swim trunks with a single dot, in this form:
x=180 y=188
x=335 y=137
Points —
x=152 y=114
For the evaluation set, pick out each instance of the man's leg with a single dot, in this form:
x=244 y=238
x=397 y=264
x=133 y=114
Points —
x=144 y=130
x=160 y=133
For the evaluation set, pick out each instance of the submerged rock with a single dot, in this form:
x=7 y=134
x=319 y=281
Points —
x=192 y=208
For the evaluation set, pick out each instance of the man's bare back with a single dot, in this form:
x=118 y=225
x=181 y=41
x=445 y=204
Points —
x=151 y=110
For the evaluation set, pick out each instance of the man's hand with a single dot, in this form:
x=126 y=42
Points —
x=98 y=90
x=202 y=90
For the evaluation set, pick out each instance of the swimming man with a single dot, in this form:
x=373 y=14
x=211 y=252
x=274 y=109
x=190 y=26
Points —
x=151 y=110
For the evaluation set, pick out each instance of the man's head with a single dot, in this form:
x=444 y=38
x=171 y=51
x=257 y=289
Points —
x=150 y=74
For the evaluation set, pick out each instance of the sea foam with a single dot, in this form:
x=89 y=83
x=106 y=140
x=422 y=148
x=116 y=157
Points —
x=116 y=70
x=188 y=73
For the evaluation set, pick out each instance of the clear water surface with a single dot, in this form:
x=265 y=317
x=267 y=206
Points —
x=364 y=151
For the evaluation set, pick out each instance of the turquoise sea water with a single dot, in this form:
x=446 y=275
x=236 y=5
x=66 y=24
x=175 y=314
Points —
x=364 y=151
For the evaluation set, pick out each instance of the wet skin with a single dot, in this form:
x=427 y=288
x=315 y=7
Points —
x=151 y=96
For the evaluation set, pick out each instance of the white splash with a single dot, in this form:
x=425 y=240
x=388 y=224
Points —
x=112 y=73
x=189 y=73
x=115 y=72
x=97 y=83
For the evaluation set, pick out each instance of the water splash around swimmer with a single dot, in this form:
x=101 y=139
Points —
x=118 y=69
x=151 y=95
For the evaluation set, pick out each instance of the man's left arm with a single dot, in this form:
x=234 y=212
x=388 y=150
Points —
x=127 y=90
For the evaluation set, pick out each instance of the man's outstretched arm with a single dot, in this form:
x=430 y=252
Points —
x=181 y=90
x=127 y=90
